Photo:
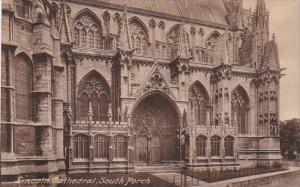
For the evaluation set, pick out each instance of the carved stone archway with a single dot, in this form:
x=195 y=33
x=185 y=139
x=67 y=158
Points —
x=155 y=126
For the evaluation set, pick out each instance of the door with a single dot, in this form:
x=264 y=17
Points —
x=141 y=149
x=154 y=150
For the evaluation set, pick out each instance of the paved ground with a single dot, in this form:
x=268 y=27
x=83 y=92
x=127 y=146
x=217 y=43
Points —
x=283 y=183
x=176 y=178
x=286 y=183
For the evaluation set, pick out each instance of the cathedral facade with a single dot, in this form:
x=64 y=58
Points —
x=108 y=85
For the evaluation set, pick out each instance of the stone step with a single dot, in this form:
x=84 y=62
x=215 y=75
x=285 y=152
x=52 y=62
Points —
x=178 y=179
x=156 y=169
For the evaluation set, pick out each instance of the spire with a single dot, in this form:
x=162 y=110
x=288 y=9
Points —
x=271 y=58
x=234 y=9
x=261 y=8
x=261 y=16
x=124 y=42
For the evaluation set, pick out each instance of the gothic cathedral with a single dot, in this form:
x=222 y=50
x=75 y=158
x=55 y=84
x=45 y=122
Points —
x=109 y=85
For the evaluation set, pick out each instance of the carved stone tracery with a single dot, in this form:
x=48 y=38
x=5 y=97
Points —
x=94 y=84
x=156 y=82
x=139 y=36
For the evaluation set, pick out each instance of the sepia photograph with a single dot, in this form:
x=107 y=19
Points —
x=150 y=93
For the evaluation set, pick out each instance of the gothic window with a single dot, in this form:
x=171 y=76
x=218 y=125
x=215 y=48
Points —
x=103 y=107
x=91 y=39
x=87 y=31
x=101 y=147
x=84 y=106
x=228 y=144
x=139 y=35
x=132 y=42
x=22 y=8
x=120 y=147
x=95 y=106
x=23 y=87
x=106 y=18
x=98 y=40
x=94 y=92
x=215 y=145
x=117 y=21
x=4 y=104
x=210 y=42
x=4 y=90
x=173 y=37
x=239 y=110
x=144 y=46
x=201 y=145
x=173 y=34
x=76 y=36
x=138 y=45
x=81 y=146
x=83 y=38
x=198 y=101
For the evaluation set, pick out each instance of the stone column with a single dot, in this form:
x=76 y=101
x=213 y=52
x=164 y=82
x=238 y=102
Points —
x=208 y=150
x=90 y=126
x=222 y=149
x=10 y=97
x=192 y=156
x=57 y=104
x=42 y=84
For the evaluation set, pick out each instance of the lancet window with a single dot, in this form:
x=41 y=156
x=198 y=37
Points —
x=198 y=101
x=210 y=43
x=94 y=95
x=215 y=145
x=201 y=145
x=239 y=110
x=81 y=146
x=101 y=147
x=228 y=144
x=23 y=87
x=120 y=146
x=139 y=36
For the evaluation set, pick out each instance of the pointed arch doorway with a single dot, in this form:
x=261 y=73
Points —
x=155 y=122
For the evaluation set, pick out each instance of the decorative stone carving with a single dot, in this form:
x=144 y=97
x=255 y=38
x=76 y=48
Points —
x=226 y=118
x=40 y=12
x=152 y=24
x=161 y=25
x=156 y=82
x=221 y=72
x=210 y=43
x=273 y=95
x=201 y=32
x=139 y=36
x=95 y=84
x=238 y=97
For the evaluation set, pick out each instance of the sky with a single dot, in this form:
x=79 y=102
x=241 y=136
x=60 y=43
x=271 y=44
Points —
x=285 y=23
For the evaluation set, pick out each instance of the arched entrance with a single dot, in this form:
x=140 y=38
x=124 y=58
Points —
x=155 y=121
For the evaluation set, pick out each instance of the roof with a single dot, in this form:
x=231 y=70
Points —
x=207 y=11
x=271 y=59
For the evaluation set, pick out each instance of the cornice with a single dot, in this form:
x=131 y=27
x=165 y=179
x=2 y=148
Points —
x=9 y=45
x=82 y=54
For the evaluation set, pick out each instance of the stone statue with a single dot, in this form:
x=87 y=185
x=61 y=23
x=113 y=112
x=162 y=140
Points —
x=40 y=11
